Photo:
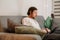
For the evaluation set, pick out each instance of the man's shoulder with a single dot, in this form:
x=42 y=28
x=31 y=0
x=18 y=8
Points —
x=26 y=18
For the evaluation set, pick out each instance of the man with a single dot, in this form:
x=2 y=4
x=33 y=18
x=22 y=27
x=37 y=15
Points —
x=30 y=20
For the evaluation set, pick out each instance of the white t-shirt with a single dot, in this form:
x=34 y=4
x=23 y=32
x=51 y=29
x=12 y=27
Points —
x=31 y=22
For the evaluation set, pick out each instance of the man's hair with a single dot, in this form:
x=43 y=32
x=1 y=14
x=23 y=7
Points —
x=31 y=9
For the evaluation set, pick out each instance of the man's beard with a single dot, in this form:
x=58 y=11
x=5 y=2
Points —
x=33 y=17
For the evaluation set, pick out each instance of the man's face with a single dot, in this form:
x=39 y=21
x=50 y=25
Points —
x=34 y=13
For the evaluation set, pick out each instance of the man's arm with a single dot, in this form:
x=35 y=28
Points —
x=26 y=22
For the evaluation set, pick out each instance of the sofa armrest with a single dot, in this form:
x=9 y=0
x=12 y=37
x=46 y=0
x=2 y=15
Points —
x=9 y=36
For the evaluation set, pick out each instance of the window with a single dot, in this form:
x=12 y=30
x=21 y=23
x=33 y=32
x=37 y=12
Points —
x=56 y=8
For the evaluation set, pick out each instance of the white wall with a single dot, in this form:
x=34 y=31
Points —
x=9 y=7
x=44 y=6
x=20 y=7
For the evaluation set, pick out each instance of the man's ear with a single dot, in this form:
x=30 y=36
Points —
x=30 y=12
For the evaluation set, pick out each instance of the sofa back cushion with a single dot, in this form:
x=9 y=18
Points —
x=15 y=19
x=18 y=19
x=57 y=22
x=40 y=20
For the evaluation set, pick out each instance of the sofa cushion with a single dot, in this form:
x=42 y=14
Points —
x=16 y=19
x=11 y=25
x=25 y=30
x=48 y=22
x=28 y=30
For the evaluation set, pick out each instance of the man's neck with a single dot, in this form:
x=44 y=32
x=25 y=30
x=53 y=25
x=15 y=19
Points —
x=31 y=17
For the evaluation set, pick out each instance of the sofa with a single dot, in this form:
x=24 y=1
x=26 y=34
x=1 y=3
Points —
x=11 y=35
x=7 y=34
x=55 y=34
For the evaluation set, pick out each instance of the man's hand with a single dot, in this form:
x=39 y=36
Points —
x=48 y=30
x=44 y=31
